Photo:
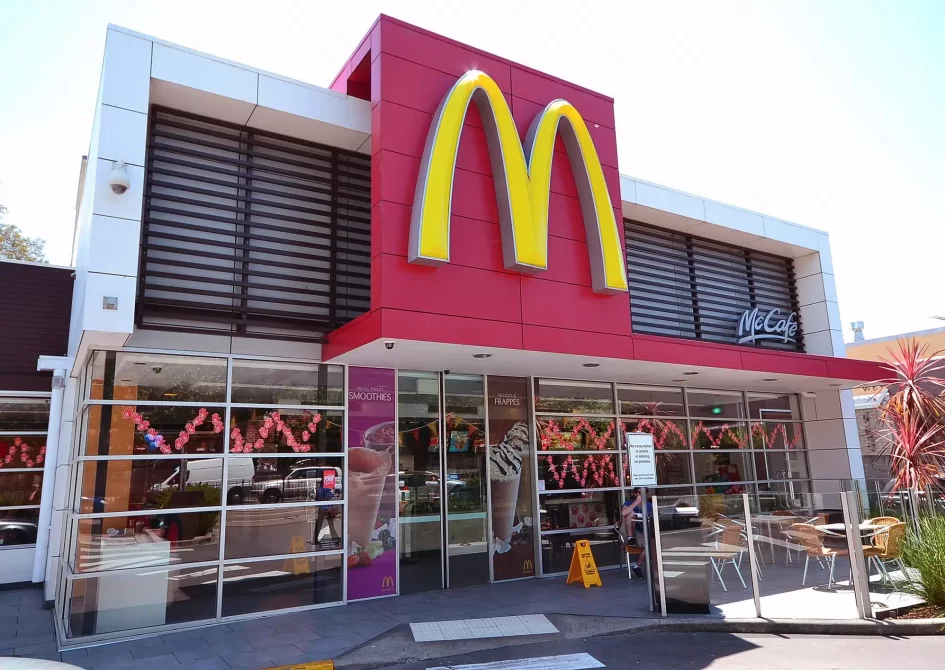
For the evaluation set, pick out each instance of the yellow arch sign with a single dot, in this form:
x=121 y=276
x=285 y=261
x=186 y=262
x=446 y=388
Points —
x=522 y=183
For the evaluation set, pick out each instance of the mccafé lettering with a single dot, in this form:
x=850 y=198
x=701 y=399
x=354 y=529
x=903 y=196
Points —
x=754 y=326
x=522 y=182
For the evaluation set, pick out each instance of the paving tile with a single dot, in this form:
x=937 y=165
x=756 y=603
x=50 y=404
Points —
x=213 y=650
x=153 y=663
x=249 y=661
x=349 y=641
x=285 y=654
x=36 y=649
x=153 y=650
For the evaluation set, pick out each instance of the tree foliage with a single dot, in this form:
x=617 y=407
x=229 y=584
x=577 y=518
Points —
x=17 y=246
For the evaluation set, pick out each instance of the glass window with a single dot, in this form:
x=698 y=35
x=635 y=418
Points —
x=716 y=404
x=261 y=586
x=158 y=539
x=18 y=489
x=773 y=407
x=718 y=468
x=590 y=471
x=568 y=397
x=120 y=375
x=777 y=435
x=24 y=414
x=140 y=598
x=718 y=435
x=595 y=509
x=667 y=434
x=650 y=401
x=283 y=530
x=781 y=465
x=28 y=451
x=18 y=526
x=129 y=430
x=271 y=481
x=133 y=485
x=285 y=431
x=280 y=383
x=575 y=433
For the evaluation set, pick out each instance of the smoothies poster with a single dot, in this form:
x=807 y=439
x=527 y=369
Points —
x=372 y=480
x=510 y=479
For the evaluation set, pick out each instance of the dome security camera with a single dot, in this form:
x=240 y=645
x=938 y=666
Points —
x=156 y=369
x=389 y=345
x=118 y=178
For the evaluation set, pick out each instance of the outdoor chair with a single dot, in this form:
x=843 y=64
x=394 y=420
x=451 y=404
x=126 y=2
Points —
x=812 y=540
x=885 y=547
x=729 y=544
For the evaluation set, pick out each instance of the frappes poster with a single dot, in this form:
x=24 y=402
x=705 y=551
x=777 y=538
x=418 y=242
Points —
x=372 y=479
x=510 y=479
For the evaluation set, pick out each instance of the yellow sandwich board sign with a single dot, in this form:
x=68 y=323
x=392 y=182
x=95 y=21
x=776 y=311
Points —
x=583 y=568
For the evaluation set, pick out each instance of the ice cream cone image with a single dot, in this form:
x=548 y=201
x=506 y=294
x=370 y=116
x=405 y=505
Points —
x=367 y=472
x=505 y=472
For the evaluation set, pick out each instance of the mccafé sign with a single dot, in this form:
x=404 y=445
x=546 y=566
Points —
x=756 y=325
x=522 y=182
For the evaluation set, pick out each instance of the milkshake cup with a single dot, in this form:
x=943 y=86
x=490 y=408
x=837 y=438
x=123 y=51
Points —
x=505 y=474
x=381 y=437
x=367 y=472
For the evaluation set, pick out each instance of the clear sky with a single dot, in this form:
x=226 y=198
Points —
x=826 y=113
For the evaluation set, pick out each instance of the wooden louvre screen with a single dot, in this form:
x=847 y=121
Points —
x=685 y=286
x=251 y=233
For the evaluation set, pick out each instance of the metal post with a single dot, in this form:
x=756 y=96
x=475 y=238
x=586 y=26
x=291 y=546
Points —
x=851 y=520
x=44 y=523
x=751 y=556
x=646 y=549
x=659 y=555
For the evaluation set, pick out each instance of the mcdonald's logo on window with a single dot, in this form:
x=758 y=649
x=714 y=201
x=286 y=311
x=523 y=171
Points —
x=522 y=182
x=387 y=583
x=528 y=566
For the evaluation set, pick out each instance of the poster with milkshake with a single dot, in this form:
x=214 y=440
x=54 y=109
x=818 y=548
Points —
x=510 y=479
x=372 y=484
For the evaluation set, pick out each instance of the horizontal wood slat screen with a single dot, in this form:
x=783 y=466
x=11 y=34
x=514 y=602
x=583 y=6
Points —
x=685 y=286
x=250 y=233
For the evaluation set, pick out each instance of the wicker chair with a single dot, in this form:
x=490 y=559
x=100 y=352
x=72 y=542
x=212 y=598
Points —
x=810 y=538
x=878 y=542
x=889 y=545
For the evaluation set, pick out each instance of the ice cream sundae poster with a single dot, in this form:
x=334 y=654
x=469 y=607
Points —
x=371 y=494
x=510 y=479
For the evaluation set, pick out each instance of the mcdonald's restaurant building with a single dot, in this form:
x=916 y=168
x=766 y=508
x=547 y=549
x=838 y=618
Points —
x=329 y=344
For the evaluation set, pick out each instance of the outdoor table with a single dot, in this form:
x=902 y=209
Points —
x=841 y=528
x=780 y=521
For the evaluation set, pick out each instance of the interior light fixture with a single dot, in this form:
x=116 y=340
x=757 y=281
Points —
x=679 y=381
x=690 y=374
x=482 y=355
x=170 y=395
x=836 y=386
x=591 y=365
x=770 y=379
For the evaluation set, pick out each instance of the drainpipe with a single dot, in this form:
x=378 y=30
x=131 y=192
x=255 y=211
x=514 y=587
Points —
x=49 y=475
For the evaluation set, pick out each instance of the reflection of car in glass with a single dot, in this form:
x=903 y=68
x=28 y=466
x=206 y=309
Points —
x=301 y=483
x=678 y=514
x=240 y=471
x=18 y=527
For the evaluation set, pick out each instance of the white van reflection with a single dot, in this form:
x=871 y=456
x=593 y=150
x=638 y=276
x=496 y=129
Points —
x=209 y=472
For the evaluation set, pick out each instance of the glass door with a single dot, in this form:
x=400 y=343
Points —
x=419 y=482
x=465 y=481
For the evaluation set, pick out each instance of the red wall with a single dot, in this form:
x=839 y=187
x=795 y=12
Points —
x=473 y=300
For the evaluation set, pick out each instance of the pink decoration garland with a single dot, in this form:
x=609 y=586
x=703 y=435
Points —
x=25 y=452
x=142 y=425
x=273 y=422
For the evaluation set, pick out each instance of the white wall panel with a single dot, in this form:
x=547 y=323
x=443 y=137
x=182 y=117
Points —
x=113 y=246
x=311 y=102
x=734 y=218
x=96 y=318
x=675 y=202
x=17 y=564
x=126 y=71
x=202 y=73
x=122 y=135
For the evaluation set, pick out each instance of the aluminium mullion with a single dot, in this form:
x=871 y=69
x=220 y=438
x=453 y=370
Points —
x=490 y=542
x=224 y=492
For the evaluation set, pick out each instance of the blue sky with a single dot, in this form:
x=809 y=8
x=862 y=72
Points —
x=828 y=114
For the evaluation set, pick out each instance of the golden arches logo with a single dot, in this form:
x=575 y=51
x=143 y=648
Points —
x=522 y=183
x=528 y=566
x=387 y=582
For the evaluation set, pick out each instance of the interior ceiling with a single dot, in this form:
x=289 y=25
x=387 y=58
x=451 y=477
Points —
x=434 y=356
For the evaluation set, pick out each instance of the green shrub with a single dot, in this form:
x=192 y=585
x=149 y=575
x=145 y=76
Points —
x=924 y=553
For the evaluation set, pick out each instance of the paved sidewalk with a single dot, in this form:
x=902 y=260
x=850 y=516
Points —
x=314 y=635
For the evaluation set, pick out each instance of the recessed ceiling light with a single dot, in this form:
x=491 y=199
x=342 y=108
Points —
x=482 y=355
x=679 y=380
x=592 y=365
x=690 y=374
x=836 y=385
x=770 y=379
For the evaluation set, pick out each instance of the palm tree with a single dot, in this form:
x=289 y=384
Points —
x=913 y=418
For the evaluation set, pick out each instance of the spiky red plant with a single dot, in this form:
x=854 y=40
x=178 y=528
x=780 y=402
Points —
x=913 y=417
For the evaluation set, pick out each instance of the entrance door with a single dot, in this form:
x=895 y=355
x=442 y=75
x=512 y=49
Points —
x=442 y=458
x=464 y=449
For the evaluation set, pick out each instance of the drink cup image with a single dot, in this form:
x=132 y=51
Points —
x=505 y=474
x=367 y=472
x=381 y=437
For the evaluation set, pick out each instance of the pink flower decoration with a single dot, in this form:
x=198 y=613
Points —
x=264 y=432
x=12 y=450
x=127 y=413
x=312 y=426
x=23 y=457
x=275 y=416
x=190 y=429
x=258 y=444
x=30 y=464
x=165 y=449
x=40 y=458
x=235 y=433
x=25 y=448
x=305 y=435
x=8 y=459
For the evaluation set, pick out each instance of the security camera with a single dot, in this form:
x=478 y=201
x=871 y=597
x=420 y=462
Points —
x=118 y=178
x=156 y=369
x=388 y=345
